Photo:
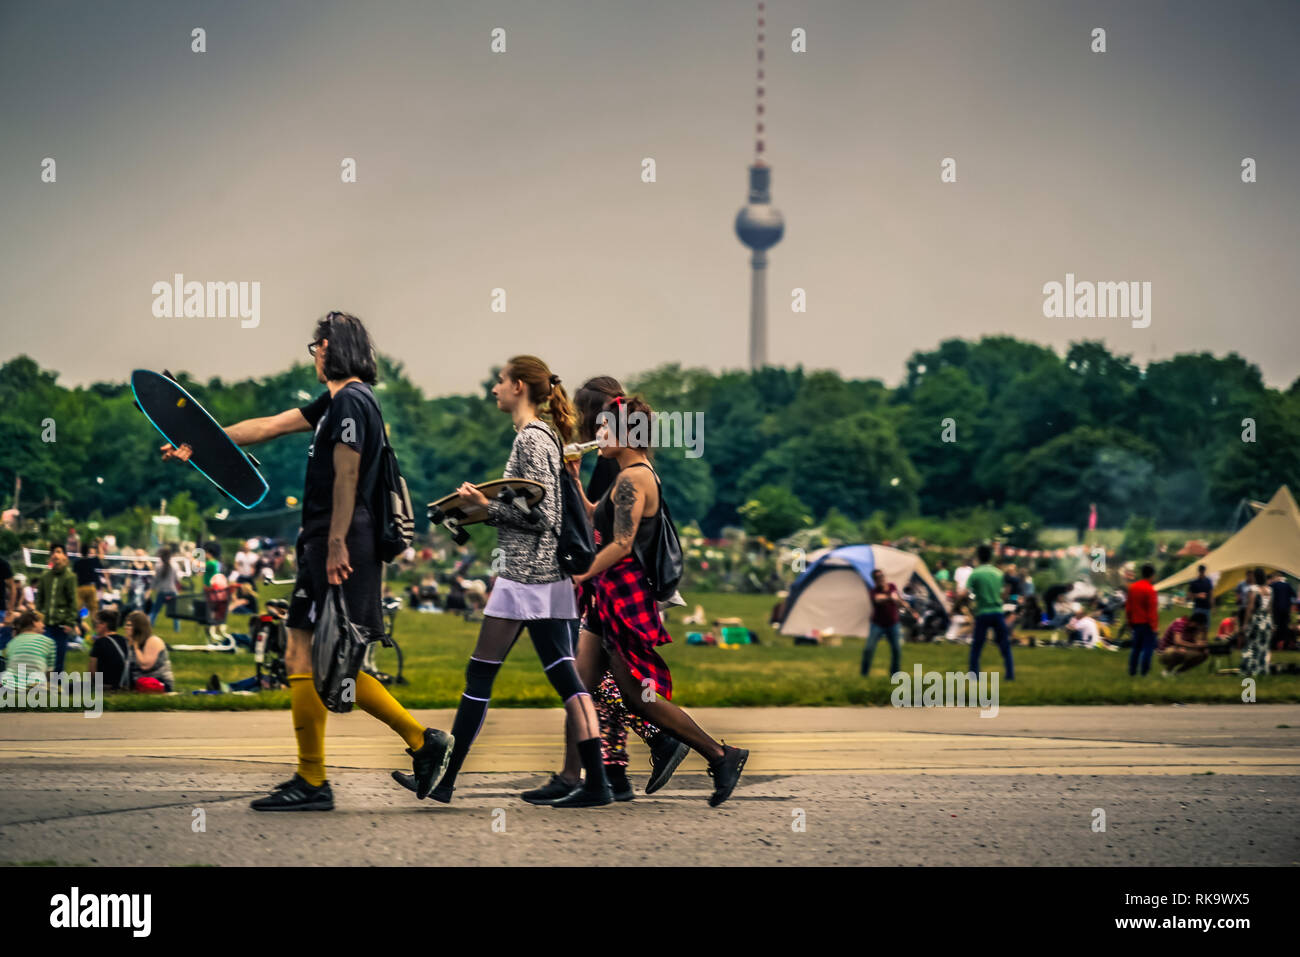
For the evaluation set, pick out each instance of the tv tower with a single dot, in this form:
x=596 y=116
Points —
x=759 y=226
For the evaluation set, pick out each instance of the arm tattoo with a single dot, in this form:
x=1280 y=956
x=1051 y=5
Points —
x=624 y=499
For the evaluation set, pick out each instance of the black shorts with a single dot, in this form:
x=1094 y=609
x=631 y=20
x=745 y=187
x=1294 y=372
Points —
x=361 y=589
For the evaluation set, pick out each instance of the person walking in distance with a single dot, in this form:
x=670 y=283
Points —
x=984 y=586
x=337 y=545
x=1142 y=609
x=884 y=621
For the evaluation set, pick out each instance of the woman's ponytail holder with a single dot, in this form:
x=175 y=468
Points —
x=555 y=380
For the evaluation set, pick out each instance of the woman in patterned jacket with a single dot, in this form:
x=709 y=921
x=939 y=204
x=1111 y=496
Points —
x=530 y=590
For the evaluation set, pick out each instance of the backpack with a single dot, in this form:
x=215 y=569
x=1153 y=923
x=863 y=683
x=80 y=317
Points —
x=664 y=567
x=395 y=523
x=575 y=549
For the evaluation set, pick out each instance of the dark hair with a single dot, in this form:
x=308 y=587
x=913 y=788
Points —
x=108 y=617
x=545 y=392
x=28 y=620
x=350 y=352
x=164 y=555
x=590 y=400
x=1200 y=568
x=635 y=405
x=1148 y=570
x=984 y=553
x=1261 y=576
x=213 y=548
x=57 y=547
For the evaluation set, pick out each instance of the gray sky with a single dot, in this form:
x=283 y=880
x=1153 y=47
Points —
x=522 y=170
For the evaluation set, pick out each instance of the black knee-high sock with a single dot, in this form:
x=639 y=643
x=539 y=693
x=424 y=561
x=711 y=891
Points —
x=470 y=713
x=592 y=763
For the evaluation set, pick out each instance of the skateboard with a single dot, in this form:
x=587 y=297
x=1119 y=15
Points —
x=181 y=420
x=452 y=512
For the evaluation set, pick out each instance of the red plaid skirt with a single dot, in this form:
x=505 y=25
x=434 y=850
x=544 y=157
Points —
x=619 y=606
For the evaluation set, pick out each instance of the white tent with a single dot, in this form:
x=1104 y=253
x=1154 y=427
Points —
x=1270 y=540
x=834 y=592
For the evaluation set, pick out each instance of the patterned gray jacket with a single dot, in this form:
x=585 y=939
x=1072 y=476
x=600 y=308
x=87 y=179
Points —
x=528 y=551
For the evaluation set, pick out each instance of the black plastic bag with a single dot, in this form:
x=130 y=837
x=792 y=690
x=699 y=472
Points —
x=337 y=649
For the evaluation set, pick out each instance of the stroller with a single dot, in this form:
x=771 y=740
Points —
x=923 y=619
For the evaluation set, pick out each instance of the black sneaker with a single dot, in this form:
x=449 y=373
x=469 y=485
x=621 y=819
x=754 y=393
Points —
x=297 y=795
x=619 y=785
x=430 y=762
x=726 y=772
x=441 y=794
x=665 y=755
x=584 y=796
x=550 y=792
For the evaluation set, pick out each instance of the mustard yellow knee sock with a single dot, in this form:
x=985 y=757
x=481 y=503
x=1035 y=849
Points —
x=309 y=727
x=373 y=698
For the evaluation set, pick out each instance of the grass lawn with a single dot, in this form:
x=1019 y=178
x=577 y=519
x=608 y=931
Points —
x=774 y=672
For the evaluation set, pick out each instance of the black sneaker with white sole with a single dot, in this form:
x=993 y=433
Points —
x=725 y=772
x=665 y=754
x=297 y=795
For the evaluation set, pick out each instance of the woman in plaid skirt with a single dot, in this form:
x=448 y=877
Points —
x=666 y=752
x=621 y=621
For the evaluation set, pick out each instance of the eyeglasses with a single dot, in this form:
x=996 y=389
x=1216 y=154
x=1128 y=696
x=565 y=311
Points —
x=312 y=347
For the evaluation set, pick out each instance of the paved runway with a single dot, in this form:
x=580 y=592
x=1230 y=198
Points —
x=926 y=786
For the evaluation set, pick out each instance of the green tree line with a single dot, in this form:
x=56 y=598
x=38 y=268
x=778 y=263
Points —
x=996 y=423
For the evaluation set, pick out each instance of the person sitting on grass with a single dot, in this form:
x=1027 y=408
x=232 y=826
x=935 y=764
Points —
x=149 y=659
x=110 y=654
x=1183 y=645
x=30 y=654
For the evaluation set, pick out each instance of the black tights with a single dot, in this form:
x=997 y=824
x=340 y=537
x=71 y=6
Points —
x=497 y=636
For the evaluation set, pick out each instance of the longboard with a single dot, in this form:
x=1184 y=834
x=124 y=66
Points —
x=181 y=420
x=452 y=511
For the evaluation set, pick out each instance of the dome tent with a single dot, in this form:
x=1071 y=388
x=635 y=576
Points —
x=834 y=592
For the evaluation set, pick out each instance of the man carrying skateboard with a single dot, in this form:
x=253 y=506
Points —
x=337 y=546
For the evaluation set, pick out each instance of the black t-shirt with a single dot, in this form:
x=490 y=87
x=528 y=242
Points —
x=86 y=568
x=6 y=574
x=353 y=419
x=109 y=653
x=1283 y=597
x=1200 y=589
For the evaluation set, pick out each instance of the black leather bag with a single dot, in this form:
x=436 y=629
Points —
x=575 y=549
x=337 y=650
x=664 y=566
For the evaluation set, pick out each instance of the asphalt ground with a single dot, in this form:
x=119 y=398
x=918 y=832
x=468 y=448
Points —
x=1093 y=786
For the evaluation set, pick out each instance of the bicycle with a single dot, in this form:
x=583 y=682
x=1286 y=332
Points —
x=384 y=654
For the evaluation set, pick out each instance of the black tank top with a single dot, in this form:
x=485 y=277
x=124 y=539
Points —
x=647 y=531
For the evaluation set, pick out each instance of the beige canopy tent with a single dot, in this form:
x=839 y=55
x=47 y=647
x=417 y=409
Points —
x=1270 y=540
x=834 y=592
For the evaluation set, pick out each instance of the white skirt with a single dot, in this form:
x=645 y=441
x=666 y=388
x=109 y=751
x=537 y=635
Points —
x=520 y=601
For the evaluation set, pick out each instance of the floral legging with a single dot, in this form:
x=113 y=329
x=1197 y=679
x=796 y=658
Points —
x=615 y=719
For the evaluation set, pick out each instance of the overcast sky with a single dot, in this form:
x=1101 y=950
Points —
x=522 y=171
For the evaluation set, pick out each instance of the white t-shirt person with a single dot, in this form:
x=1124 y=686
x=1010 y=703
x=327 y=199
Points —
x=1085 y=630
x=245 y=564
x=960 y=575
